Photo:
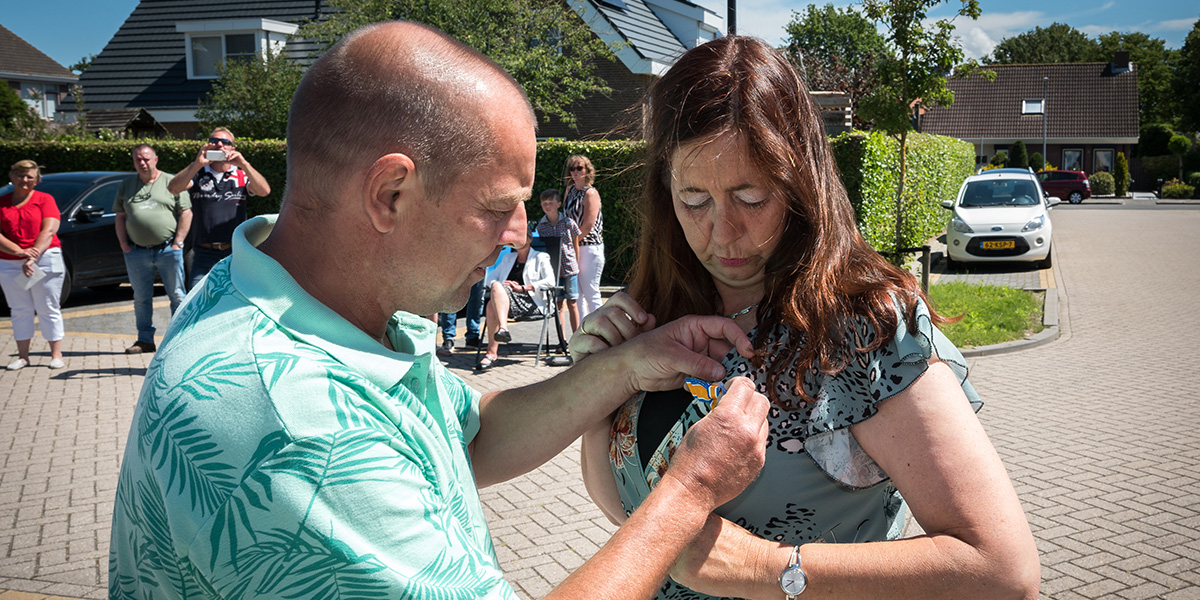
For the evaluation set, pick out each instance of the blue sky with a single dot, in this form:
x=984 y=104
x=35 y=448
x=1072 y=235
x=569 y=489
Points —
x=68 y=30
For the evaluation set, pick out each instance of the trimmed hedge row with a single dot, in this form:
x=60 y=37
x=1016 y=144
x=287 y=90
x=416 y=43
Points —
x=870 y=166
x=269 y=158
x=868 y=163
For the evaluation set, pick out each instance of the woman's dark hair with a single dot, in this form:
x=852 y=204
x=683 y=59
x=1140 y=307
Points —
x=822 y=275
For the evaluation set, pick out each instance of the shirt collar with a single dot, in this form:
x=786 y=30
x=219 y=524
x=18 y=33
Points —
x=220 y=174
x=267 y=285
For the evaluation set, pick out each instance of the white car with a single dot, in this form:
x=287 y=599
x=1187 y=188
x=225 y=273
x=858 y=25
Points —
x=1000 y=215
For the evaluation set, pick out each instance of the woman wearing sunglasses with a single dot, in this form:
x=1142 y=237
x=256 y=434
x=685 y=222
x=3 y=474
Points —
x=582 y=204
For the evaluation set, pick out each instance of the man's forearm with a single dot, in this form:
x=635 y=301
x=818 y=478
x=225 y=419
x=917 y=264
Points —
x=181 y=179
x=524 y=427
x=635 y=562
x=185 y=225
x=255 y=182
x=122 y=236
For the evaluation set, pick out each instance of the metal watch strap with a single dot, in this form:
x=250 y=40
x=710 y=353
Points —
x=793 y=561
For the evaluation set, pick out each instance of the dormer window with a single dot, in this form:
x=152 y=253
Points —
x=211 y=42
x=1033 y=107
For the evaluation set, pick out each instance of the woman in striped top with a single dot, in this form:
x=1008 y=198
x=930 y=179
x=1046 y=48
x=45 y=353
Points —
x=582 y=204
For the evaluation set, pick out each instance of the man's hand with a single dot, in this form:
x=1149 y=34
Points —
x=690 y=346
x=235 y=158
x=723 y=452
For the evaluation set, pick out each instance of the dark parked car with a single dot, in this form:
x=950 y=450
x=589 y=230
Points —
x=1072 y=186
x=89 y=240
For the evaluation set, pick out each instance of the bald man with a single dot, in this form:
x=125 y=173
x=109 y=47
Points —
x=297 y=437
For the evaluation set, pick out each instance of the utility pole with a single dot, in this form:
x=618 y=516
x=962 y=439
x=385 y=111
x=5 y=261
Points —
x=1045 y=85
x=731 y=12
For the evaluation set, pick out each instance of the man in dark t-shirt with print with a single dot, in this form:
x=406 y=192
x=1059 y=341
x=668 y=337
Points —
x=219 y=190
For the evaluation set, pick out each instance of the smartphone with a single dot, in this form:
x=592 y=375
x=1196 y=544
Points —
x=214 y=155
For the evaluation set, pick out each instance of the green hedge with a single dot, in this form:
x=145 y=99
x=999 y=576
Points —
x=619 y=181
x=1102 y=183
x=269 y=157
x=869 y=163
x=870 y=166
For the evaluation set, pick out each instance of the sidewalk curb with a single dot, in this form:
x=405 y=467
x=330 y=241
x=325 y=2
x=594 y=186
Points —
x=1045 y=336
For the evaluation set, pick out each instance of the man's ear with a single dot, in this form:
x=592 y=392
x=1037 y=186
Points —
x=391 y=187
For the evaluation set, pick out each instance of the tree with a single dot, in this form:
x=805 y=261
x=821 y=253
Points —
x=913 y=75
x=543 y=44
x=252 y=96
x=1058 y=43
x=999 y=159
x=836 y=50
x=1156 y=100
x=1121 y=176
x=1018 y=156
x=1037 y=161
x=1153 y=139
x=82 y=64
x=1187 y=79
x=1179 y=145
x=17 y=120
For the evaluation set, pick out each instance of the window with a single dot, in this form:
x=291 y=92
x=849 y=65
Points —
x=1072 y=159
x=1102 y=160
x=212 y=42
x=209 y=51
x=1033 y=107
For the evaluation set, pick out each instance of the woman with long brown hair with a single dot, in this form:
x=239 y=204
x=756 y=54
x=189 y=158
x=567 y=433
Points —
x=872 y=409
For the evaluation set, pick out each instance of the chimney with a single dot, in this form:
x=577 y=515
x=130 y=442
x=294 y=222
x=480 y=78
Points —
x=1120 y=63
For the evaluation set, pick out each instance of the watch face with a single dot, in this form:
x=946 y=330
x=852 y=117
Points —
x=793 y=581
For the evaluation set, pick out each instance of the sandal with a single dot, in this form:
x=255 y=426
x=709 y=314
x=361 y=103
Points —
x=503 y=336
x=485 y=363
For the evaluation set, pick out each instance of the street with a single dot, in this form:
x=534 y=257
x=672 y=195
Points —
x=1098 y=430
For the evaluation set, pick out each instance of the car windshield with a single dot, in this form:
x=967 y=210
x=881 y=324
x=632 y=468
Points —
x=62 y=191
x=1000 y=192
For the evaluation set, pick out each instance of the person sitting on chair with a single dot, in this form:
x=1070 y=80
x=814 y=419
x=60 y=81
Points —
x=517 y=296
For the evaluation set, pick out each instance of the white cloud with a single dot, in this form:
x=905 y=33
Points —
x=1173 y=25
x=980 y=36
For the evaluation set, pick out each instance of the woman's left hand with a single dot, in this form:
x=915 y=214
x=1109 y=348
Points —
x=726 y=560
x=618 y=321
x=29 y=266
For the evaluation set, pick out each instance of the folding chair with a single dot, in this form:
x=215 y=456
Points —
x=553 y=248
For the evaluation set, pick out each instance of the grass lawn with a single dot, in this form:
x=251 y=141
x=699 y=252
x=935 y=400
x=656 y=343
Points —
x=990 y=314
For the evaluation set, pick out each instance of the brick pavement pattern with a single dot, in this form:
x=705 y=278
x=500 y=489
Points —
x=1097 y=428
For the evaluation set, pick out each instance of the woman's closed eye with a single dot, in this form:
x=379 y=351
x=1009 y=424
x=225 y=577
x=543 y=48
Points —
x=695 y=200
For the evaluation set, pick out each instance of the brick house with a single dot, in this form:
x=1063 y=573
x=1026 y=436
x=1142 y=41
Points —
x=163 y=58
x=41 y=82
x=1089 y=112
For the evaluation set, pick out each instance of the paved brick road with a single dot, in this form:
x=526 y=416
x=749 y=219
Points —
x=1099 y=430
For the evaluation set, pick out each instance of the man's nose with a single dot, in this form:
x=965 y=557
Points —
x=516 y=230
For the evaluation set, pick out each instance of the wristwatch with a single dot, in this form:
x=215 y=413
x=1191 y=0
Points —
x=793 y=580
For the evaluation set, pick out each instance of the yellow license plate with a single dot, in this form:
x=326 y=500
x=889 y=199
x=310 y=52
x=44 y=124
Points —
x=1003 y=245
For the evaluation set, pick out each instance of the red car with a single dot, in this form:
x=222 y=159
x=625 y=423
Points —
x=1072 y=186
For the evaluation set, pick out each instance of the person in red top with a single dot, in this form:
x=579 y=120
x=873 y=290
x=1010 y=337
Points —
x=31 y=262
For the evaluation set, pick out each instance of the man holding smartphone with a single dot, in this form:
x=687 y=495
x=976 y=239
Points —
x=218 y=180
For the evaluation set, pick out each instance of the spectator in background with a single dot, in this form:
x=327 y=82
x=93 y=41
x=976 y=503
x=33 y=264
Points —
x=152 y=223
x=556 y=224
x=583 y=206
x=448 y=323
x=31 y=263
x=219 y=190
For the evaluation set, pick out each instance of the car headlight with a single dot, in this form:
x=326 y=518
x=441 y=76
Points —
x=961 y=226
x=1035 y=224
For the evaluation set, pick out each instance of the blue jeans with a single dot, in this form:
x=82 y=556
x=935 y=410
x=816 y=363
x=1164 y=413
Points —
x=141 y=264
x=203 y=260
x=448 y=321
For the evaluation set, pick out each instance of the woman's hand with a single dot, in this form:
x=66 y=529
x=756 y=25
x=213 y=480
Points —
x=31 y=252
x=618 y=321
x=727 y=560
x=29 y=266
